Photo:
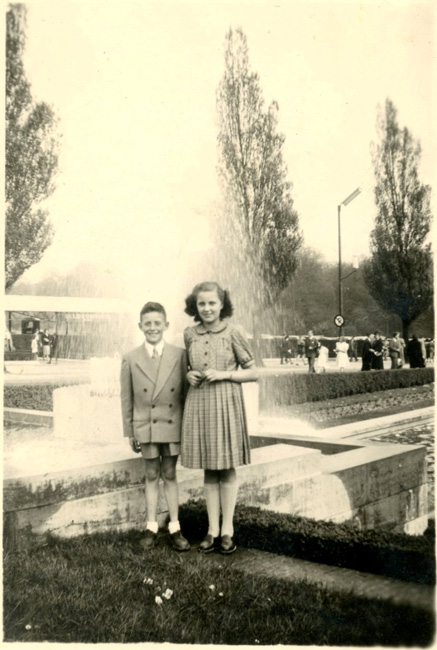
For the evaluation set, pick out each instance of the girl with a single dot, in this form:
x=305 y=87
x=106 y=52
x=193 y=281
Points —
x=214 y=430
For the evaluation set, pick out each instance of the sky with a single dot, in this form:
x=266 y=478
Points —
x=133 y=84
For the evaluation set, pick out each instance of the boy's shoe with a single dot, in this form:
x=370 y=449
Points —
x=227 y=545
x=179 y=543
x=208 y=544
x=149 y=540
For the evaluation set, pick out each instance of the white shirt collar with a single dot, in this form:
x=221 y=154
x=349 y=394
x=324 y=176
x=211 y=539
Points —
x=159 y=346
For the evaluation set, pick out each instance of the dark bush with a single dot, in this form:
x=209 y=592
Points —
x=284 y=389
x=37 y=397
x=382 y=552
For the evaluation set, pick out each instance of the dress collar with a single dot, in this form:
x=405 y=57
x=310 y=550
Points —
x=201 y=329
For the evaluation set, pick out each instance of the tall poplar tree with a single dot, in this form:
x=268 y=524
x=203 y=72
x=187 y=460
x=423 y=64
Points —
x=258 y=227
x=399 y=272
x=31 y=158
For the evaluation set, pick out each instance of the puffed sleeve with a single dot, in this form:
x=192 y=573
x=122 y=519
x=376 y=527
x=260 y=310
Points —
x=242 y=350
x=188 y=337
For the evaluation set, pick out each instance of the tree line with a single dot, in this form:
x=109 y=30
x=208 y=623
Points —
x=259 y=249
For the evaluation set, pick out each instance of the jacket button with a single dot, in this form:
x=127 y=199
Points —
x=153 y=406
x=172 y=390
x=206 y=353
x=170 y=421
x=145 y=390
x=206 y=365
x=155 y=421
x=170 y=406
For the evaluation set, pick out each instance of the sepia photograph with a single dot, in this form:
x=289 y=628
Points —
x=218 y=375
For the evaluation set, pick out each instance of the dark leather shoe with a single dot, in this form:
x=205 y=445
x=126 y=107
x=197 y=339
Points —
x=227 y=545
x=208 y=544
x=149 y=540
x=179 y=543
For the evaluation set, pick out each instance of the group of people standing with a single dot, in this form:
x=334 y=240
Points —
x=45 y=345
x=190 y=403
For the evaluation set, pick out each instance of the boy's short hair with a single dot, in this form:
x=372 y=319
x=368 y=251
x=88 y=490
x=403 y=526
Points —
x=153 y=306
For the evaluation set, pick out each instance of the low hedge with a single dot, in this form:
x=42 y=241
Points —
x=290 y=388
x=381 y=552
x=38 y=397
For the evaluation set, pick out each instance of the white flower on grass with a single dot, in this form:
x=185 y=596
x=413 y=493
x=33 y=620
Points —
x=158 y=600
x=168 y=593
x=220 y=593
x=212 y=587
x=28 y=627
x=148 y=581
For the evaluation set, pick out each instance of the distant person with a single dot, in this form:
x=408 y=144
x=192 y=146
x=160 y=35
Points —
x=286 y=349
x=353 y=349
x=34 y=347
x=152 y=395
x=301 y=347
x=341 y=349
x=414 y=352
x=9 y=344
x=378 y=352
x=45 y=339
x=311 y=350
x=423 y=347
x=54 y=347
x=321 y=362
x=367 y=353
x=431 y=351
x=401 y=351
x=394 y=351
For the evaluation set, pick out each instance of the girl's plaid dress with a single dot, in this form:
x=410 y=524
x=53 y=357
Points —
x=214 y=429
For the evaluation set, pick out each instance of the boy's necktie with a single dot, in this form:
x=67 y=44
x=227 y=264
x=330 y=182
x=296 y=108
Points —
x=155 y=354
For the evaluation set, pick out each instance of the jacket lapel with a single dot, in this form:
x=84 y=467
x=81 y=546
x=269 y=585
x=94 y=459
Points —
x=168 y=362
x=144 y=363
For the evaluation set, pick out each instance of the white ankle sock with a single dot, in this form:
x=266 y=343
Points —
x=173 y=527
x=153 y=526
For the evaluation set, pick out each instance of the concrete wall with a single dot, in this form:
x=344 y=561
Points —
x=370 y=485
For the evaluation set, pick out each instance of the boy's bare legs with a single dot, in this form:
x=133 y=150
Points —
x=171 y=490
x=153 y=472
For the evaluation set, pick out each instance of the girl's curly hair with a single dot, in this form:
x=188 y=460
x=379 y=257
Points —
x=223 y=294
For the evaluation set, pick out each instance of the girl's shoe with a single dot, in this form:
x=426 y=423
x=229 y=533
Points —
x=227 y=545
x=208 y=544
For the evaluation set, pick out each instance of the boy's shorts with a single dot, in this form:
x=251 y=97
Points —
x=152 y=450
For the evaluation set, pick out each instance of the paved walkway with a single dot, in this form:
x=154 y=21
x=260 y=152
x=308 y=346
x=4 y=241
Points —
x=356 y=583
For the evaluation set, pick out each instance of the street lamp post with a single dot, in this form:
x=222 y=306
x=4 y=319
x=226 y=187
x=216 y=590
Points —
x=350 y=198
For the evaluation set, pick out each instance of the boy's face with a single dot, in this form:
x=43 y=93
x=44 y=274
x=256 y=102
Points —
x=153 y=326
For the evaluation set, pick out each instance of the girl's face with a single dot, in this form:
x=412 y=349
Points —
x=209 y=307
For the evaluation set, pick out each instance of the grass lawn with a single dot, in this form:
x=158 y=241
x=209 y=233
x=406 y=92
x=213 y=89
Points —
x=102 y=588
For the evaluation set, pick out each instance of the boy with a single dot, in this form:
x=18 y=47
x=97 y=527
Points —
x=153 y=383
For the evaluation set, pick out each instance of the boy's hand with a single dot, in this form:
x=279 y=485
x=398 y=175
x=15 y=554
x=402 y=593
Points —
x=195 y=378
x=134 y=445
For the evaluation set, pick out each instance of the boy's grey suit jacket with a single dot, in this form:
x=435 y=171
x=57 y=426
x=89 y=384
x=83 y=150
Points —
x=153 y=412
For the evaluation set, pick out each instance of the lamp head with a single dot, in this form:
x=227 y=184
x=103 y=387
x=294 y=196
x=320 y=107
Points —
x=352 y=196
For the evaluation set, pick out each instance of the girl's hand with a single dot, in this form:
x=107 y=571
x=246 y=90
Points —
x=195 y=377
x=215 y=375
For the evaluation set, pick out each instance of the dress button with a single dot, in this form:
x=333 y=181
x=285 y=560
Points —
x=170 y=406
x=206 y=365
x=145 y=390
x=153 y=406
x=155 y=421
x=172 y=390
x=170 y=421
